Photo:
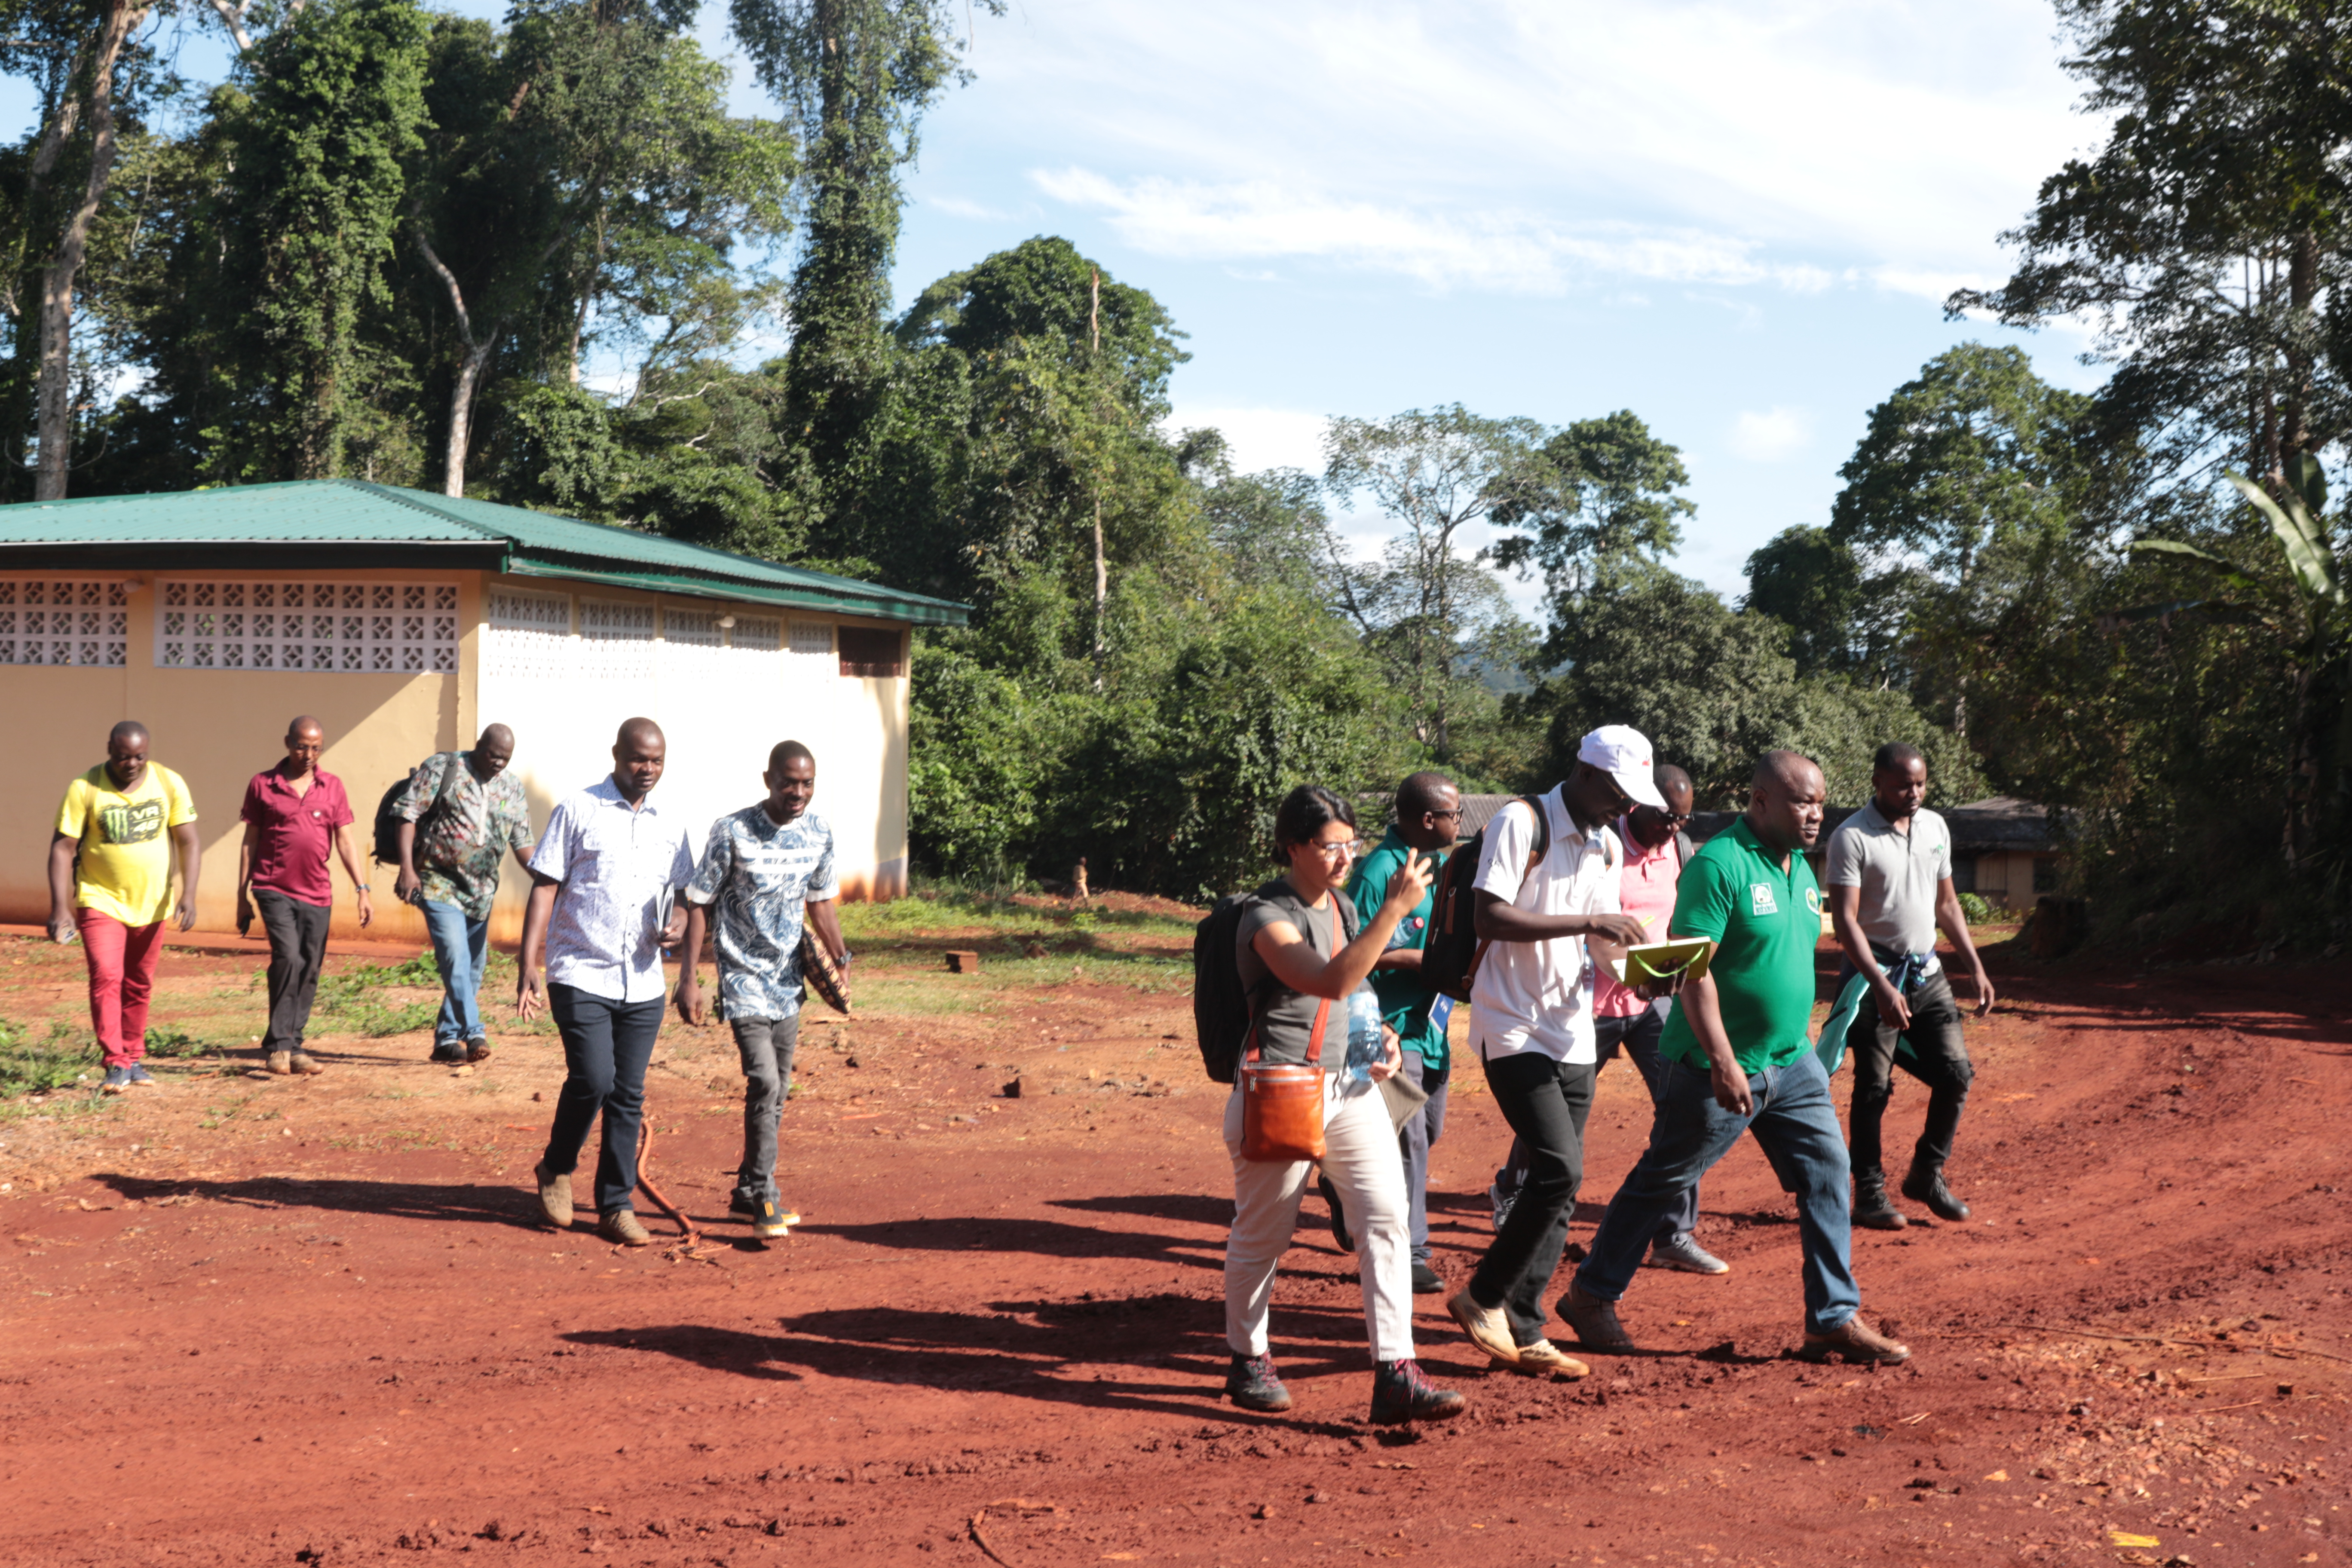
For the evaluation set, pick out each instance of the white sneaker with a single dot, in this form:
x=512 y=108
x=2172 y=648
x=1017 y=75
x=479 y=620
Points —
x=1683 y=1255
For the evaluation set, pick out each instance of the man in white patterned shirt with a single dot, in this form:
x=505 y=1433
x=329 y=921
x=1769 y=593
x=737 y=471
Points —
x=764 y=865
x=602 y=906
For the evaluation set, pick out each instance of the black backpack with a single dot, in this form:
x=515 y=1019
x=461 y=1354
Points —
x=388 y=817
x=1451 y=955
x=1220 y=1004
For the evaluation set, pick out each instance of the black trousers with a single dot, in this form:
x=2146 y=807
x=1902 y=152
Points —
x=1545 y=1103
x=607 y=1045
x=1938 y=1058
x=298 y=949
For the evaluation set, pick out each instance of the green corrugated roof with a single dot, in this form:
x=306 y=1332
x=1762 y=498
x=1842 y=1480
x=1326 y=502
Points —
x=329 y=513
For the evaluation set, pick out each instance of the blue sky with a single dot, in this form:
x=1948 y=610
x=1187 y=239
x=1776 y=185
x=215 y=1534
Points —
x=1739 y=220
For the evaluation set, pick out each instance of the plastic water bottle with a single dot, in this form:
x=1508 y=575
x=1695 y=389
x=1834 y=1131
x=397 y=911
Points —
x=1363 y=1036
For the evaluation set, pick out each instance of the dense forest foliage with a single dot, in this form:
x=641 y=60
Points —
x=391 y=242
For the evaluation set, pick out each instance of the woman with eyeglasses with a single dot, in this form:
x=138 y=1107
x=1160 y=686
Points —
x=1299 y=948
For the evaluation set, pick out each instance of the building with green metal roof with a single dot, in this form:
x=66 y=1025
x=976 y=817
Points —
x=405 y=622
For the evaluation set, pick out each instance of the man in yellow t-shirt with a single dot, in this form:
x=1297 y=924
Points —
x=110 y=879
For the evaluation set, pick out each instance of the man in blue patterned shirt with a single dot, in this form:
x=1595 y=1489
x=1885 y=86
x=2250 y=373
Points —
x=764 y=866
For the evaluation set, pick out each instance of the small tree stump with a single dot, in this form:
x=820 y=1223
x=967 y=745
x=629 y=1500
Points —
x=961 y=961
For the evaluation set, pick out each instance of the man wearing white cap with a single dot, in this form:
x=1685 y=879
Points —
x=1547 y=880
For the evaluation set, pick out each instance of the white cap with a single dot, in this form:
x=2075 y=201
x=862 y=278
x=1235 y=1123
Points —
x=1623 y=753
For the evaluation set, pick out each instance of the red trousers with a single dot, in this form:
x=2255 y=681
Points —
x=122 y=971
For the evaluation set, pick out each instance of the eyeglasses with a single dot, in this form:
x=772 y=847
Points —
x=1334 y=851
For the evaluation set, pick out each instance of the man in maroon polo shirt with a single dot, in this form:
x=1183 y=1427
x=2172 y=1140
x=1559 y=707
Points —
x=294 y=815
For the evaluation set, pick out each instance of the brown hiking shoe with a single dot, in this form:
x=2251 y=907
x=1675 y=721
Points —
x=303 y=1066
x=554 y=1196
x=621 y=1226
x=281 y=1062
x=1855 y=1340
x=1594 y=1320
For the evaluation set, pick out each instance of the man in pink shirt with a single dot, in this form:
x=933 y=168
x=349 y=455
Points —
x=295 y=814
x=1656 y=849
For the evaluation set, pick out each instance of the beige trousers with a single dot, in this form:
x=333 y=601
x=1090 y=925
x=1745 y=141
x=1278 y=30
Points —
x=1361 y=1159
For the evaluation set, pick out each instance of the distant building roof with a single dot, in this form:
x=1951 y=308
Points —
x=351 y=523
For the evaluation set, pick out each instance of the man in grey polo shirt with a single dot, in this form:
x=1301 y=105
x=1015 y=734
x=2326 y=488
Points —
x=1890 y=886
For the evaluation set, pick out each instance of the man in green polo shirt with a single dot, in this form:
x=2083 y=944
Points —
x=1428 y=818
x=1739 y=1058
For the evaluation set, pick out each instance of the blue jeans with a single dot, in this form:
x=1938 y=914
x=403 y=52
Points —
x=1796 y=1124
x=460 y=947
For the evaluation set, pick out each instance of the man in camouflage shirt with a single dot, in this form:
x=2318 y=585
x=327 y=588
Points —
x=461 y=815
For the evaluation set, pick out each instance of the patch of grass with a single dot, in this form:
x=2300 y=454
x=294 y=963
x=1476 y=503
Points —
x=351 y=997
x=56 y=1062
x=948 y=906
x=180 y=1043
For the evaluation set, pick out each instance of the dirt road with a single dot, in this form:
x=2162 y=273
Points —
x=254 y=1322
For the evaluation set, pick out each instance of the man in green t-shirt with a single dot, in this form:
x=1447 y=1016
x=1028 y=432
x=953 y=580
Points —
x=1738 y=1059
x=1428 y=816
x=110 y=879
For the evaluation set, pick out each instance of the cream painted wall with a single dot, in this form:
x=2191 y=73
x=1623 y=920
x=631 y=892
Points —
x=721 y=710
x=218 y=728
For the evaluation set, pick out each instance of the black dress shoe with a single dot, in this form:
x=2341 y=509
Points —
x=1925 y=1184
x=1873 y=1209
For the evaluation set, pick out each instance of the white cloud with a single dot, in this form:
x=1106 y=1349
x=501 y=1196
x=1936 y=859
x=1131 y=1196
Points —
x=957 y=207
x=1518 y=252
x=1772 y=436
x=1260 y=438
x=1789 y=143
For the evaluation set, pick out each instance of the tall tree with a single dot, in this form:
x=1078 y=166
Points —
x=1436 y=472
x=88 y=70
x=1597 y=505
x=1971 y=460
x=337 y=104
x=856 y=76
x=2207 y=238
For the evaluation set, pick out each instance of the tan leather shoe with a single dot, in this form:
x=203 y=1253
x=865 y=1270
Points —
x=621 y=1226
x=1856 y=1341
x=1542 y=1357
x=303 y=1066
x=554 y=1196
x=281 y=1062
x=1486 y=1326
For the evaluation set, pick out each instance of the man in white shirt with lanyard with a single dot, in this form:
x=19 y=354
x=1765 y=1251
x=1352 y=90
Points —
x=1541 y=890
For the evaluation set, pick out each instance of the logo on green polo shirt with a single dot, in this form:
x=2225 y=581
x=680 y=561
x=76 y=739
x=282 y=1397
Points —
x=1813 y=899
x=1760 y=901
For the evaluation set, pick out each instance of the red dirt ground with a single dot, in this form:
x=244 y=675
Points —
x=310 y=1323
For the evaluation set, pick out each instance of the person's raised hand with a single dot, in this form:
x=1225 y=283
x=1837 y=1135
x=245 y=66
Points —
x=1411 y=882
